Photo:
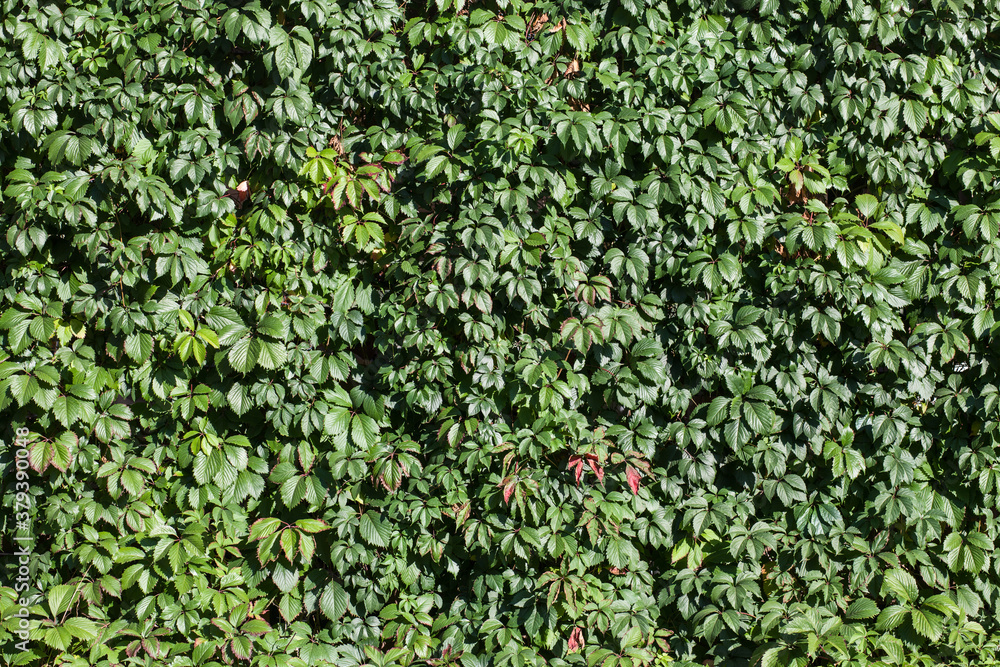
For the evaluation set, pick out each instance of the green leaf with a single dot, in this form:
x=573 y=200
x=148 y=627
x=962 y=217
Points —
x=67 y=410
x=81 y=628
x=239 y=399
x=620 y=553
x=768 y=7
x=927 y=623
x=891 y=617
x=334 y=601
x=914 y=115
x=758 y=416
x=60 y=598
x=862 y=608
x=57 y=452
x=718 y=410
x=373 y=530
x=285 y=577
x=364 y=431
x=866 y=204
x=244 y=354
x=273 y=355
x=312 y=525
x=303 y=45
x=284 y=54
x=901 y=584
x=139 y=346
x=263 y=527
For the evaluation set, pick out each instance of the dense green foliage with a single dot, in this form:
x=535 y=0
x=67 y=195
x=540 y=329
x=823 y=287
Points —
x=515 y=333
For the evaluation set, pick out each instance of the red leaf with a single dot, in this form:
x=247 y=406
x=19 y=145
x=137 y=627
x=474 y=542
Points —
x=598 y=470
x=633 y=479
x=575 y=640
x=577 y=462
x=507 y=491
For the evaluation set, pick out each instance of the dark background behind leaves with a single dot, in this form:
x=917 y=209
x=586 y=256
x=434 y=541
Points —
x=542 y=333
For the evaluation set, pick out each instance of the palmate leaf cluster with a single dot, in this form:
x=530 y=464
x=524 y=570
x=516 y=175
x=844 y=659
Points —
x=502 y=333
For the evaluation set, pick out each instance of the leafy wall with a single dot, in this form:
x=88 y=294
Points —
x=501 y=333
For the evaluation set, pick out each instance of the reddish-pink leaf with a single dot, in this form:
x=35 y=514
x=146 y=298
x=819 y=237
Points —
x=507 y=491
x=598 y=470
x=576 y=461
x=633 y=479
x=575 y=640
